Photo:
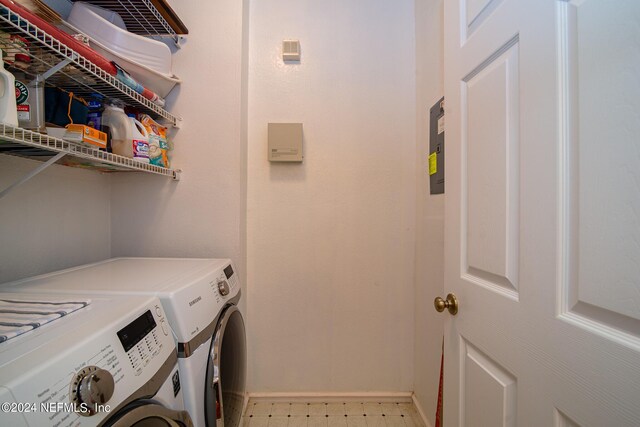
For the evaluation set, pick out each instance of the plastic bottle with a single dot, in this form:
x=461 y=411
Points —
x=96 y=107
x=139 y=141
x=8 y=109
x=117 y=125
x=29 y=93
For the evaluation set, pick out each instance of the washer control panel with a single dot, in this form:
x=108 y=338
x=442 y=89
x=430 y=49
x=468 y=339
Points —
x=90 y=388
x=141 y=340
x=70 y=382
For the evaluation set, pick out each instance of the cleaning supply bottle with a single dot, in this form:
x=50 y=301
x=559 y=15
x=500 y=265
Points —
x=8 y=108
x=139 y=141
x=96 y=107
x=29 y=93
x=116 y=123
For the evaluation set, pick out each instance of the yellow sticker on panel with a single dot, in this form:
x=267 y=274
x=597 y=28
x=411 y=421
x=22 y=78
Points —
x=433 y=163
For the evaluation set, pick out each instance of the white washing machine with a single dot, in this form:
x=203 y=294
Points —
x=111 y=362
x=200 y=298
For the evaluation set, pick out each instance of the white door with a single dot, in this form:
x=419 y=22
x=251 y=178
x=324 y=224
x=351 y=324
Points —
x=542 y=212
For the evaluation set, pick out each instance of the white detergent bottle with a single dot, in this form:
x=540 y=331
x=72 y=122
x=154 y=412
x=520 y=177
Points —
x=119 y=128
x=8 y=108
x=139 y=141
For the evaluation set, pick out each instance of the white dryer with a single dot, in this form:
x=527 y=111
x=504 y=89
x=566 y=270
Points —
x=200 y=298
x=110 y=363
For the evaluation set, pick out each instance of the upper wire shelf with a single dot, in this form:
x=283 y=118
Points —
x=143 y=17
x=78 y=74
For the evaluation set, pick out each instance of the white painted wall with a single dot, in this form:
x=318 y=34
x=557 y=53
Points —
x=331 y=241
x=203 y=214
x=58 y=219
x=429 y=274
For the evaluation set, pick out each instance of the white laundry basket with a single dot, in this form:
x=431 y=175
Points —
x=107 y=28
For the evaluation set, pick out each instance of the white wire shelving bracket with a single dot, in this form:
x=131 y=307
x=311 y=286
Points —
x=33 y=145
x=31 y=174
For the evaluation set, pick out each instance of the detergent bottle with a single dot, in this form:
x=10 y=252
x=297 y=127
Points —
x=139 y=141
x=116 y=123
x=8 y=108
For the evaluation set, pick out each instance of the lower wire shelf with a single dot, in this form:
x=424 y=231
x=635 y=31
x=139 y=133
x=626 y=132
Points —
x=24 y=143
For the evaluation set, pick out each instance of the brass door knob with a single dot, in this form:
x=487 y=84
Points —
x=451 y=304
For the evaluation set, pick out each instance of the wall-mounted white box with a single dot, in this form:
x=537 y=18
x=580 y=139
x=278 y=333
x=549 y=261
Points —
x=285 y=142
x=290 y=50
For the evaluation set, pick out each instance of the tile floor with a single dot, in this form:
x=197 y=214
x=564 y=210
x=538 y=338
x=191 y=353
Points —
x=332 y=414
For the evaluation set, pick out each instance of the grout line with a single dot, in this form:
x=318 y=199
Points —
x=323 y=397
x=411 y=419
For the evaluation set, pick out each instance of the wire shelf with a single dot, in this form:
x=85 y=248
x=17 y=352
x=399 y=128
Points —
x=24 y=143
x=140 y=17
x=79 y=75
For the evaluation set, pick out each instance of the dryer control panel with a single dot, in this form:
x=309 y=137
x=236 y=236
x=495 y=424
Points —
x=196 y=303
x=227 y=282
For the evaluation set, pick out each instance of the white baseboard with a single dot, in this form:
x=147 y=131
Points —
x=245 y=403
x=420 y=410
x=356 y=396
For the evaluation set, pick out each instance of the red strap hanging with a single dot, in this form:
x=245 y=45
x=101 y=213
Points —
x=439 y=408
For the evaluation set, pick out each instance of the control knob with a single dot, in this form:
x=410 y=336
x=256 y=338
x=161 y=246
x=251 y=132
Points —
x=91 y=387
x=223 y=287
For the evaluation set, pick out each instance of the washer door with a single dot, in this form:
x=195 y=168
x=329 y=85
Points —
x=226 y=371
x=148 y=413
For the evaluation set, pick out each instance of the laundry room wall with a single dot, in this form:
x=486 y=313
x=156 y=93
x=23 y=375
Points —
x=331 y=240
x=58 y=219
x=203 y=214
x=429 y=273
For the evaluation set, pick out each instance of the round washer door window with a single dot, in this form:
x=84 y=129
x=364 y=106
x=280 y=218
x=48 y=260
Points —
x=148 y=413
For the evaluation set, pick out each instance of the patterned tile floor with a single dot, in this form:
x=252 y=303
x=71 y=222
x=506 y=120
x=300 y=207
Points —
x=332 y=414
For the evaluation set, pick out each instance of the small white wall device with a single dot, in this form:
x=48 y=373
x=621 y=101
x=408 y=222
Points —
x=290 y=50
x=285 y=142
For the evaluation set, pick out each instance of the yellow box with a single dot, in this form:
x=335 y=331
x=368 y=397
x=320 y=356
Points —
x=87 y=134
